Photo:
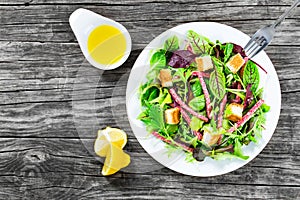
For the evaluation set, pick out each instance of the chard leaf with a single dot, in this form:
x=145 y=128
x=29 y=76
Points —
x=198 y=103
x=171 y=44
x=217 y=84
x=183 y=75
x=251 y=76
x=199 y=43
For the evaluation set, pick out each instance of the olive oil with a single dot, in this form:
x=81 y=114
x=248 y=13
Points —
x=106 y=44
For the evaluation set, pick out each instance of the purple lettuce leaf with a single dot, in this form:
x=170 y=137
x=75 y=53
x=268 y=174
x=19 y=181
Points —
x=181 y=59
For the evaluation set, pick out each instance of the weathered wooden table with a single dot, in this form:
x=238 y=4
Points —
x=43 y=156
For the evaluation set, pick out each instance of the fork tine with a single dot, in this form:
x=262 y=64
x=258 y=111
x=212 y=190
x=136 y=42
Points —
x=250 y=42
x=250 y=51
x=253 y=44
x=257 y=50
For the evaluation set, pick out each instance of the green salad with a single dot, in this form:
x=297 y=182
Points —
x=203 y=97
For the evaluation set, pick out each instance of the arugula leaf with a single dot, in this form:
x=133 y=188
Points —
x=196 y=123
x=238 y=150
x=197 y=103
x=251 y=76
x=143 y=114
x=259 y=123
x=189 y=158
x=259 y=93
x=217 y=84
x=185 y=131
x=171 y=44
x=157 y=119
x=227 y=51
x=225 y=124
x=224 y=155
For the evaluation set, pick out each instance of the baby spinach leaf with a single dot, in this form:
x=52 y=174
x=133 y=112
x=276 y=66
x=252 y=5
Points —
x=217 y=84
x=158 y=59
x=167 y=99
x=227 y=51
x=149 y=94
x=265 y=108
x=172 y=128
x=171 y=44
x=196 y=123
x=163 y=98
x=251 y=76
x=157 y=62
x=196 y=87
x=197 y=103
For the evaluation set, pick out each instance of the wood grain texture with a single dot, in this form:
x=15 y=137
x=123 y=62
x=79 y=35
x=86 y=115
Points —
x=44 y=98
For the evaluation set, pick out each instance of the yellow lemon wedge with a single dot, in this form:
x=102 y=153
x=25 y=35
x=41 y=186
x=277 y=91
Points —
x=107 y=137
x=116 y=159
x=109 y=143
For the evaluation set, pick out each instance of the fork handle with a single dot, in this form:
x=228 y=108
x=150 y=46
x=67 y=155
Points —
x=286 y=13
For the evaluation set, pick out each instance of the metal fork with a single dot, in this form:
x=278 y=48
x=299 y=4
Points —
x=263 y=37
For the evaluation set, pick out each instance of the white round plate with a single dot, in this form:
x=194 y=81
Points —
x=177 y=160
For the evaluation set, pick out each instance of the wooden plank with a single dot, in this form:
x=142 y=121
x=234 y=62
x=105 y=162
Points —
x=136 y=2
x=19 y=24
x=43 y=167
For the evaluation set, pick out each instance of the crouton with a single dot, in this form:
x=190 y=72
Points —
x=235 y=63
x=165 y=78
x=172 y=116
x=234 y=112
x=209 y=138
x=204 y=63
